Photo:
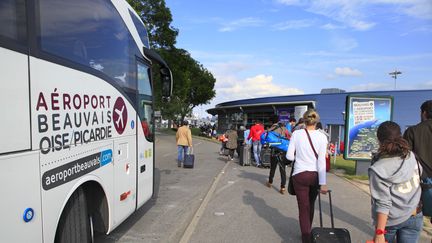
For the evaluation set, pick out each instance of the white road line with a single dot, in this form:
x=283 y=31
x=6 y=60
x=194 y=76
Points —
x=166 y=155
x=193 y=224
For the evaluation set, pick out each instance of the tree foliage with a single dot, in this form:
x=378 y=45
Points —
x=193 y=83
x=157 y=18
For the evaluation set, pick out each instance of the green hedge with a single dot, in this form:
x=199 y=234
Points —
x=195 y=131
x=341 y=163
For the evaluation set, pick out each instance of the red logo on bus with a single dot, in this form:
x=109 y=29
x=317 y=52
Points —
x=120 y=115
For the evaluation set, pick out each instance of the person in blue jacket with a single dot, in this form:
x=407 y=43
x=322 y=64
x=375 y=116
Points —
x=278 y=156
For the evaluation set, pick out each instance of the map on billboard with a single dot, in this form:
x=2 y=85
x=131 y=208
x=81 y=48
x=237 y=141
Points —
x=364 y=115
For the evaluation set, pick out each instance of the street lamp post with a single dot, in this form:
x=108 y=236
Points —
x=394 y=75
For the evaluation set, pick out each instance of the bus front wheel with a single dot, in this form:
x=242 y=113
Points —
x=75 y=222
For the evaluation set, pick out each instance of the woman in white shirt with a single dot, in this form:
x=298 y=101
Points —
x=309 y=174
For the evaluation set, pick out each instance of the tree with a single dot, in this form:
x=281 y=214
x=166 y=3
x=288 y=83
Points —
x=157 y=18
x=193 y=86
x=193 y=83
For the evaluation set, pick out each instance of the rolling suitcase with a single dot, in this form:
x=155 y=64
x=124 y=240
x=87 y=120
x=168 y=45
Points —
x=189 y=159
x=245 y=155
x=265 y=156
x=333 y=235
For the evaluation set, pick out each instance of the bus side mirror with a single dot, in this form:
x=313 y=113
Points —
x=165 y=73
x=166 y=79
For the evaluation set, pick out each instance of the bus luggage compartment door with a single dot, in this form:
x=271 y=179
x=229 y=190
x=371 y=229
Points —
x=124 y=178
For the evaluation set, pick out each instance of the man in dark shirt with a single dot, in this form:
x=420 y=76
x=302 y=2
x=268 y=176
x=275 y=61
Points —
x=420 y=137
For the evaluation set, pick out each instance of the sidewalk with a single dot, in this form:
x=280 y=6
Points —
x=364 y=186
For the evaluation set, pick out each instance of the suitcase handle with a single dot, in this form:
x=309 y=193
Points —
x=190 y=150
x=331 y=208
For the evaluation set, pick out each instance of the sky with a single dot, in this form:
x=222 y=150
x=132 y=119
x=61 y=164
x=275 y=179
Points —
x=262 y=48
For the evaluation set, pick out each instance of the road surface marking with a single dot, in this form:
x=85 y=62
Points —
x=191 y=227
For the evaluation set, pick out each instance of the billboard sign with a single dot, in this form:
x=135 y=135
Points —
x=363 y=116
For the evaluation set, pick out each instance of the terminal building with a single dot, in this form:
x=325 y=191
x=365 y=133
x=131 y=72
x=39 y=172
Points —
x=330 y=104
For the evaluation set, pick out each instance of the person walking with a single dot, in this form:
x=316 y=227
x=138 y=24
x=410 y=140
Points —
x=319 y=127
x=255 y=133
x=419 y=137
x=308 y=149
x=300 y=125
x=231 y=144
x=240 y=139
x=394 y=186
x=290 y=125
x=184 y=141
x=278 y=157
x=247 y=142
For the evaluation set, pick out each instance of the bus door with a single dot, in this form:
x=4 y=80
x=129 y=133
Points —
x=145 y=134
x=20 y=205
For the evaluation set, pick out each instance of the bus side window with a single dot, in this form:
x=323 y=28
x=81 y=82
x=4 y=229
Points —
x=145 y=98
x=13 y=21
x=99 y=41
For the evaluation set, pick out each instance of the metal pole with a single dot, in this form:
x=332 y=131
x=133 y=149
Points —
x=394 y=75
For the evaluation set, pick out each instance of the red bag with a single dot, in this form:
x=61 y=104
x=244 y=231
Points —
x=327 y=163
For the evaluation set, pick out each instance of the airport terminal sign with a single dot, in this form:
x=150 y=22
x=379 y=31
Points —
x=363 y=116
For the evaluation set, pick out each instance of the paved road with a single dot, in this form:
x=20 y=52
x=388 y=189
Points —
x=220 y=201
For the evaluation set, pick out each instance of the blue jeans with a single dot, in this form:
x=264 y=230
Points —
x=182 y=151
x=406 y=232
x=257 y=151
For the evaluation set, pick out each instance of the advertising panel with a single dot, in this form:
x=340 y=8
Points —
x=363 y=116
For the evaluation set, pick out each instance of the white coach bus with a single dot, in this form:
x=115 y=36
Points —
x=76 y=123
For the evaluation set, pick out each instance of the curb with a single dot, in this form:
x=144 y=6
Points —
x=364 y=186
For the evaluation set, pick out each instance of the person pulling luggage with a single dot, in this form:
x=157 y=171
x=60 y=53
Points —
x=184 y=142
x=231 y=144
x=308 y=148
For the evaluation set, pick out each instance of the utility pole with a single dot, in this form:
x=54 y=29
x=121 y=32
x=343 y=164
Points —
x=394 y=75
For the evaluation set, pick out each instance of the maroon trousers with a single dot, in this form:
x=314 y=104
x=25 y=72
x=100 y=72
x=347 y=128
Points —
x=306 y=188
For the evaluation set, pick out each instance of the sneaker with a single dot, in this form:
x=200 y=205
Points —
x=282 y=190
x=268 y=184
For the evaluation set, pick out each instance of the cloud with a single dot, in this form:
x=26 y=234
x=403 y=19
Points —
x=372 y=87
x=344 y=43
x=425 y=85
x=347 y=71
x=421 y=9
x=294 y=24
x=241 y=23
x=357 y=14
x=258 y=86
x=331 y=27
x=289 y=2
x=231 y=67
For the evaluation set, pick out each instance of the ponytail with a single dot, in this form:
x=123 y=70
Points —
x=396 y=147
x=391 y=142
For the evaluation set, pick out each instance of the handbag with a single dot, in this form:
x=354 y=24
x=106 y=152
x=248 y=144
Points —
x=426 y=195
x=291 y=190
